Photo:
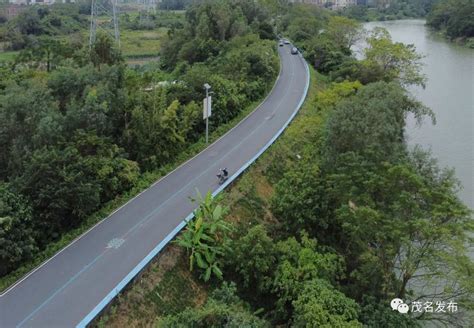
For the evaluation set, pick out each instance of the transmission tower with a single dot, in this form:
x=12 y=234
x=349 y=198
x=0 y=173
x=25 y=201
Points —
x=104 y=16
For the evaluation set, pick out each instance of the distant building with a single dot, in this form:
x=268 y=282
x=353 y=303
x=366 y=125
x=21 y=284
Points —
x=338 y=4
x=334 y=4
x=39 y=2
x=19 y=2
x=312 y=2
x=11 y=10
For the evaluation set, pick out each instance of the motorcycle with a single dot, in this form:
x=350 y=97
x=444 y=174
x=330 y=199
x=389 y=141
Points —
x=222 y=176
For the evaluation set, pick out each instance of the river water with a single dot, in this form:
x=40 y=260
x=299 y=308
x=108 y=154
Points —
x=449 y=92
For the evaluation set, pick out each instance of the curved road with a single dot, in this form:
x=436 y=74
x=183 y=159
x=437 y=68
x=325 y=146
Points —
x=77 y=283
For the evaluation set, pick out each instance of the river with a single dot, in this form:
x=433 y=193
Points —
x=449 y=92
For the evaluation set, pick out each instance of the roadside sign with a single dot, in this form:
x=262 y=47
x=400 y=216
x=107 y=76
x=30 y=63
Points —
x=206 y=111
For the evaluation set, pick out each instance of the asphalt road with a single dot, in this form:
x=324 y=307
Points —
x=73 y=286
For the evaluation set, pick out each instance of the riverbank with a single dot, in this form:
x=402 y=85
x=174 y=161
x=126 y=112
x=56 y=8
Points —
x=459 y=41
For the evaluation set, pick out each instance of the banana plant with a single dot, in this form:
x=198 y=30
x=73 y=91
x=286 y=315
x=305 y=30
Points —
x=206 y=237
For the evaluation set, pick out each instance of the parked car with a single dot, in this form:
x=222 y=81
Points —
x=294 y=51
x=281 y=44
x=286 y=41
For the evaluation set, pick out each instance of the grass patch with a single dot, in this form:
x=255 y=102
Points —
x=133 y=43
x=248 y=204
x=8 y=56
x=174 y=293
x=136 y=44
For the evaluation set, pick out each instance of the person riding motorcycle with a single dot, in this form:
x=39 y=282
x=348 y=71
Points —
x=223 y=175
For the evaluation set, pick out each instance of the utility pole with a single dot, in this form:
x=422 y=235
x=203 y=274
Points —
x=207 y=110
x=107 y=9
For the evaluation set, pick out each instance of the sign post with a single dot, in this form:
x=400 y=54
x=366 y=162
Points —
x=207 y=108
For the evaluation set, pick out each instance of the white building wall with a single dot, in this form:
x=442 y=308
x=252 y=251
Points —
x=42 y=2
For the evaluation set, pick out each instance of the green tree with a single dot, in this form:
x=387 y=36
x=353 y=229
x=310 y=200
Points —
x=250 y=58
x=153 y=133
x=28 y=22
x=68 y=182
x=217 y=20
x=253 y=257
x=321 y=305
x=17 y=237
x=44 y=51
x=299 y=263
x=190 y=117
x=61 y=192
x=326 y=53
x=329 y=98
x=374 y=119
x=91 y=99
x=345 y=31
x=299 y=201
x=302 y=21
x=28 y=119
x=392 y=61
x=303 y=28
x=104 y=51
x=6 y=76
x=107 y=164
x=67 y=83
